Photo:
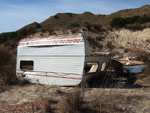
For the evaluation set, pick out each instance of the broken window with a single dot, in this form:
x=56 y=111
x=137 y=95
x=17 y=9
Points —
x=103 y=66
x=91 y=67
x=26 y=65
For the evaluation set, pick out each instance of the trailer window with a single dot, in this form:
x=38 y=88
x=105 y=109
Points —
x=103 y=66
x=91 y=67
x=26 y=65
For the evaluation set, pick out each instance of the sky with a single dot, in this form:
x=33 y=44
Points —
x=15 y=14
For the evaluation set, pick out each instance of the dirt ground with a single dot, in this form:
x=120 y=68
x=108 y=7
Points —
x=31 y=98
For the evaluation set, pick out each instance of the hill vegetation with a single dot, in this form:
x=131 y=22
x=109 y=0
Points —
x=122 y=22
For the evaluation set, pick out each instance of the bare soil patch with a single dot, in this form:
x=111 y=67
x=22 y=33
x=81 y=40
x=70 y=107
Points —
x=43 y=98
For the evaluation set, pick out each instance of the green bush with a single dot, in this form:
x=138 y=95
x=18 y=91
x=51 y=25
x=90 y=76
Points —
x=118 y=22
x=97 y=27
x=7 y=36
x=121 y=22
x=131 y=20
x=70 y=14
x=56 y=17
x=144 y=19
x=38 y=25
x=12 y=35
x=22 y=32
x=134 y=27
x=88 y=25
x=3 y=39
x=74 y=24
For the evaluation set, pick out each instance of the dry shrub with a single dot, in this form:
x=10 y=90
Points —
x=73 y=102
x=4 y=88
x=146 y=74
x=7 y=67
x=143 y=56
x=7 y=75
x=59 y=91
x=48 y=105
x=94 y=43
x=110 y=45
x=97 y=27
x=5 y=56
x=134 y=27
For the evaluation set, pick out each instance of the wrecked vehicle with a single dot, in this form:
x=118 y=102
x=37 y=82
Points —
x=57 y=60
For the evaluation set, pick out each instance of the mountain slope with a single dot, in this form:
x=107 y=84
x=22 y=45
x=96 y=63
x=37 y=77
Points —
x=64 y=19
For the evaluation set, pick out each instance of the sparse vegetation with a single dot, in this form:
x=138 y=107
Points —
x=74 y=24
x=94 y=43
x=97 y=27
x=135 y=27
x=88 y=25
x=100 y=38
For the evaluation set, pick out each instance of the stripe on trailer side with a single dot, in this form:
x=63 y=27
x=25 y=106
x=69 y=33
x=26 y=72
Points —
x=52 y=76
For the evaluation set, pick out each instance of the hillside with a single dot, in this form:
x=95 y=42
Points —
x=64 y=20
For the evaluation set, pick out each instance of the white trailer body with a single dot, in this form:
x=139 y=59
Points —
x=55 y=60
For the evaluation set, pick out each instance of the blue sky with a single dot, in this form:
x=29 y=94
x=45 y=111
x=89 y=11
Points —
x=14 y=14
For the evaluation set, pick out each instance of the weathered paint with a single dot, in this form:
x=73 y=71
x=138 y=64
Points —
x=58 y=60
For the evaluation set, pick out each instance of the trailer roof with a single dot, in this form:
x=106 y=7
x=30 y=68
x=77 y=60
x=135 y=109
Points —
x=53 y=40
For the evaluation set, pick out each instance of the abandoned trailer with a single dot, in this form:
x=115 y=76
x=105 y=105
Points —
x=57 y=60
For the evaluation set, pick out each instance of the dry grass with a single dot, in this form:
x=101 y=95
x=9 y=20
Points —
x=105 y=106
x=8 y=68
x=104 y=103
x=110 y=103
x=72 y=102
